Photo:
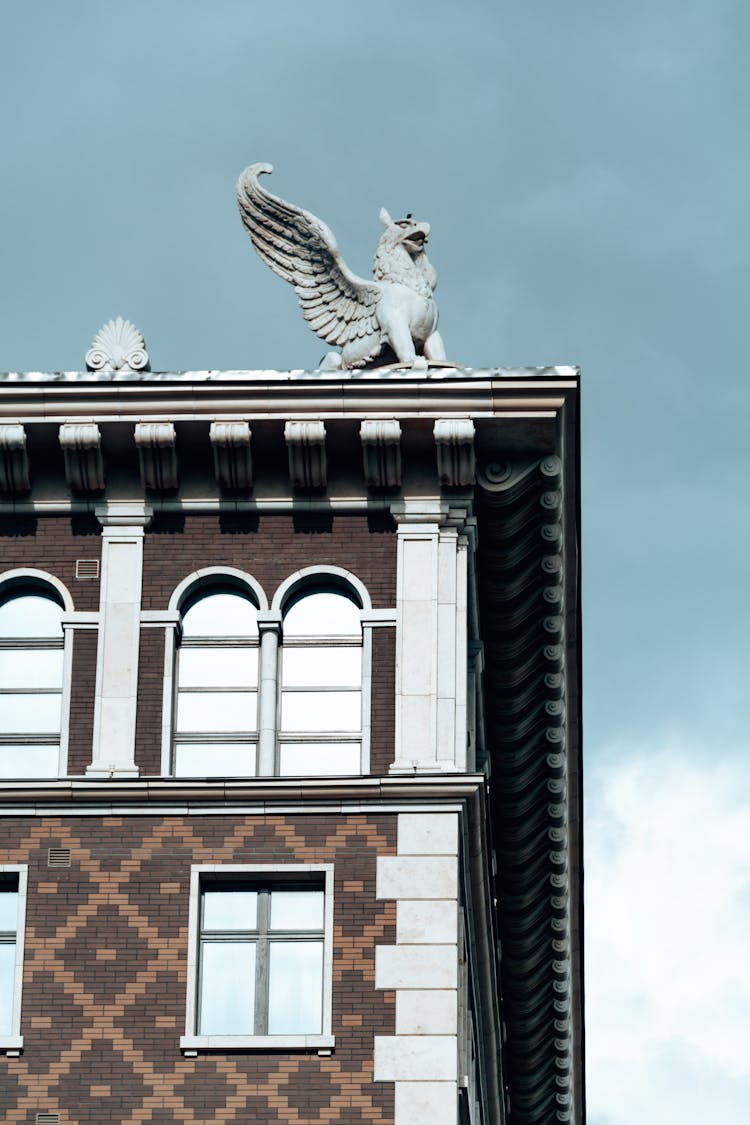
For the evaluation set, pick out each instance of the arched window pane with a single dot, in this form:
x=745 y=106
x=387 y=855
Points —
x=30 y=615
x=323 y=615
x=222 y=614
x=228 y=667
x=322 y=666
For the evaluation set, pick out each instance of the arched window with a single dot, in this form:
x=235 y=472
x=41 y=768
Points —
x=216 y=717
x=320 y=715
x=31 y=681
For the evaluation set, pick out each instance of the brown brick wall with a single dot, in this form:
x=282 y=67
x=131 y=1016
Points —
x=82 y=688
x=383 y=719
x=270 y=548
x=105 y=974
x=53 y=543
x=150 y=688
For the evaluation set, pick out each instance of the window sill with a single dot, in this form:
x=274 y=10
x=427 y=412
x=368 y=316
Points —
x=194 y=1043
x=11 y=1044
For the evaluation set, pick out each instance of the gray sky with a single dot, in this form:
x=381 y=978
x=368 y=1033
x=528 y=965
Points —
x=585 y=170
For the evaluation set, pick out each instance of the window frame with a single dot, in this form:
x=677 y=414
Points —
x=12 y=1044
x=202 y=584
x=327 y=579
x=26 y=581
x=259 y=875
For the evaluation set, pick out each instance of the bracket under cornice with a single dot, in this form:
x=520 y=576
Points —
x=14 y=459
x=81 y=444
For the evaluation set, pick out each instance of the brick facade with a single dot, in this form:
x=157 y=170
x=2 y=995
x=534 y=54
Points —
x=270 y=548
x=105 y=972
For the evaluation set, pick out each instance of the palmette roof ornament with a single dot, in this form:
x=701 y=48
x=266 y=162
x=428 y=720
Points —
x=392 y=317
x=118 y=346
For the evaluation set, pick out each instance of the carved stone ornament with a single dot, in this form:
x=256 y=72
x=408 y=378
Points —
x=14 y=460
x=81 y=443
x=381 y=452
x=157 y=455
x=306 y=447
x=118 y=346
x=454 y=441
x=392 y=315
x=233 y=463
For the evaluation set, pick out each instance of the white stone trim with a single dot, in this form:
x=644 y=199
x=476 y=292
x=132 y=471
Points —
x=431 y=637
x=13 y=1043
x=422 y=1057
x=29 y=574
x=190 y=1042
x=414 y=1058
x=320 y=571
x=208 y=574
x=116 y=693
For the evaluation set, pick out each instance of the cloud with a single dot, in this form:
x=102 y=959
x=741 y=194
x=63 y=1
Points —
x=667 y=924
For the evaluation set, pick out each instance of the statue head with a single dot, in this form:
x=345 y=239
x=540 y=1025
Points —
x=408 y=233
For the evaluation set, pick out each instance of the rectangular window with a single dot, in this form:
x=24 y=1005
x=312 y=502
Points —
x=261 y=973
x=12 y=917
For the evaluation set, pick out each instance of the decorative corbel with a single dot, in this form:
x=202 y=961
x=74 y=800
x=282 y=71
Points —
x=381 y=452
x=81 y=444
x=233 y=463
x=157 y=455
x=454 y=441
x=14 y=460
x=306 y=447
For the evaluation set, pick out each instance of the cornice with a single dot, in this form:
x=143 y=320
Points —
x=528 y=569
x=244 y=395
x=73 y=794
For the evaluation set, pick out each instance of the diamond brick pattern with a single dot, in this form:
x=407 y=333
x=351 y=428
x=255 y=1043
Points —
x=106 y=966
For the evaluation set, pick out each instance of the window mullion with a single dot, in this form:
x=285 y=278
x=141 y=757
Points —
x=261 y=963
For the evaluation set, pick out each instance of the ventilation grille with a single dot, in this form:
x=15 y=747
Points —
x=87 y=568
x=58 y=857
x=48 y=1119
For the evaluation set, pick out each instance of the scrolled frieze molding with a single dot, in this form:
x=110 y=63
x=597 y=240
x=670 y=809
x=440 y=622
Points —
x=81 y=444
x=157 y=454
x=233 y=464
x=454 y=442
x=14 y=460
x=306 y=448
x=118 y=346
x=381 y=452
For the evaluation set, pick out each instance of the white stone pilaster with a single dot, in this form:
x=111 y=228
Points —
x=422 y=1057
x=431 y=637
x=113 y=752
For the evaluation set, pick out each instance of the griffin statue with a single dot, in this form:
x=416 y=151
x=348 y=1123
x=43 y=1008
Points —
x=392 y=317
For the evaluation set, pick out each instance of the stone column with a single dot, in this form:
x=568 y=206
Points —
x=123 y=526
x=269 y=628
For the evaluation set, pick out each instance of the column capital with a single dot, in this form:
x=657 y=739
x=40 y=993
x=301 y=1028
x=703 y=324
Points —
x=432 y=510
x=269 y=620
x=124 y=514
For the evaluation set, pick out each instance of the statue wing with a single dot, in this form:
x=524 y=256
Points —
x=338 y=305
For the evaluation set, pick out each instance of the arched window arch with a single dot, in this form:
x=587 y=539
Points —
x=32 y=673
x=321 y=723
x=216 y=683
